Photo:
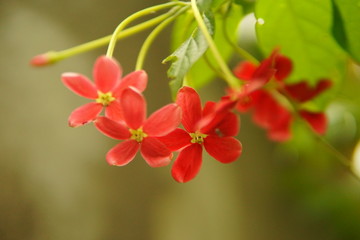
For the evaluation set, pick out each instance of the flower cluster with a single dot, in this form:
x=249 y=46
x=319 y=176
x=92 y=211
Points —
x=273 y=101
x=158 y=136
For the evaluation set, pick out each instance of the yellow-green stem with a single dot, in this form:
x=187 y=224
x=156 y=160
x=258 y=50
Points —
x=229 y=77
x=135 y=16
x=242 y=52
x=150 y=39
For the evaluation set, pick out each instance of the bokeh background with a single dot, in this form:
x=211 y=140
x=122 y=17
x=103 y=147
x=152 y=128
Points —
x=55 y=183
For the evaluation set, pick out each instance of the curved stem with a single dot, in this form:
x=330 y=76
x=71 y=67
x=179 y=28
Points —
x=55 y=56
x=135 y=16
x=174 y=13
x=230 y=78
x=242 y=52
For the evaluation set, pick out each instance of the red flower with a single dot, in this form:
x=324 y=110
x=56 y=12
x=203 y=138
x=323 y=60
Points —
x=276 y=66
x=211 y=127
x=269 y=113
x=139 y=132
x=106 y=90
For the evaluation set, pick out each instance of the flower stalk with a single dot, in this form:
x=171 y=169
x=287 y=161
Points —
x=135 y=16
x=229 y=77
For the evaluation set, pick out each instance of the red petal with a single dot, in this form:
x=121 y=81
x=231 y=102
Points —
x=176 y=140
x=111 y=128
x=223 y=149
x=303 y=92
x=133 y=106
x=268 y=112
x=84 y=114
x=317 y=121
x=80 y=85
x=245 y=103
x=189 y=101
x=244 y=70
x=107 y=72
x=163 y=121
x=264 y=72
x=188 y=163
x=123 y=153
x=213 y=114
x=155 y=153
x=283 y=66
x=137 y=79
x=230 y=125
x=282 y=131
x=113 y=111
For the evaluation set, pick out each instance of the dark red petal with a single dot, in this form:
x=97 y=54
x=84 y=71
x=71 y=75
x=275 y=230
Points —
x=223 y=149
x=268 y=112
x=176 y=140
x=123 y=153
x=155 y=153
x=317 y=120
x=245 y=70
x=283 y=66
x=80 y=85
x=245 y=103
x=188 y=163
x=189 y=101
x=264 y=72
x=281 y=132
x=114 y=112
x=214 y=113
x=133 y=107
x=137 y=79
x=303 y=92
x=84 y=114
x=163 y=121
x=111 y=128
x=229 y=126
x=107 y=72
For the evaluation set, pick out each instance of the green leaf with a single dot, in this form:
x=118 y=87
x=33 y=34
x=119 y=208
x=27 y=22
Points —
x=201 y=74
x=187 y=54
x=302 y=29
x=204 y=5
x=346 y=26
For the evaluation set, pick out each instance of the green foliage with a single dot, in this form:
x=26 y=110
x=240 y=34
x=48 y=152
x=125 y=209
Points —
x=187 y=54
x=188 y=60
x=346 y=26
x=302 y=29
x=225 y=27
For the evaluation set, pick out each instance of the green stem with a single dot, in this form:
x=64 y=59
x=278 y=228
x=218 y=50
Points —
x=242 y=52
x=212 y=67
x=230 y=78
x=135 y=16
x=174 y=13
x=55 y=56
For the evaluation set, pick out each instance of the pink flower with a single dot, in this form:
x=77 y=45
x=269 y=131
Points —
x=105 y=91
x=213 y=127
x=139 y=132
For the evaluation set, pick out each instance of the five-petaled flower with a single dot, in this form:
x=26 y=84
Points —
x=269 y=112
x=215 y=130
x=106 y=91
x=139 y=132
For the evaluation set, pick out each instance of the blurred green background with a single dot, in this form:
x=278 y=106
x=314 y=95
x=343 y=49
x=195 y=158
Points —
x=55 y=183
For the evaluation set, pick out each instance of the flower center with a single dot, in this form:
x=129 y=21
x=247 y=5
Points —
x=197 y=137
x=137 y=135
x=105 y=98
